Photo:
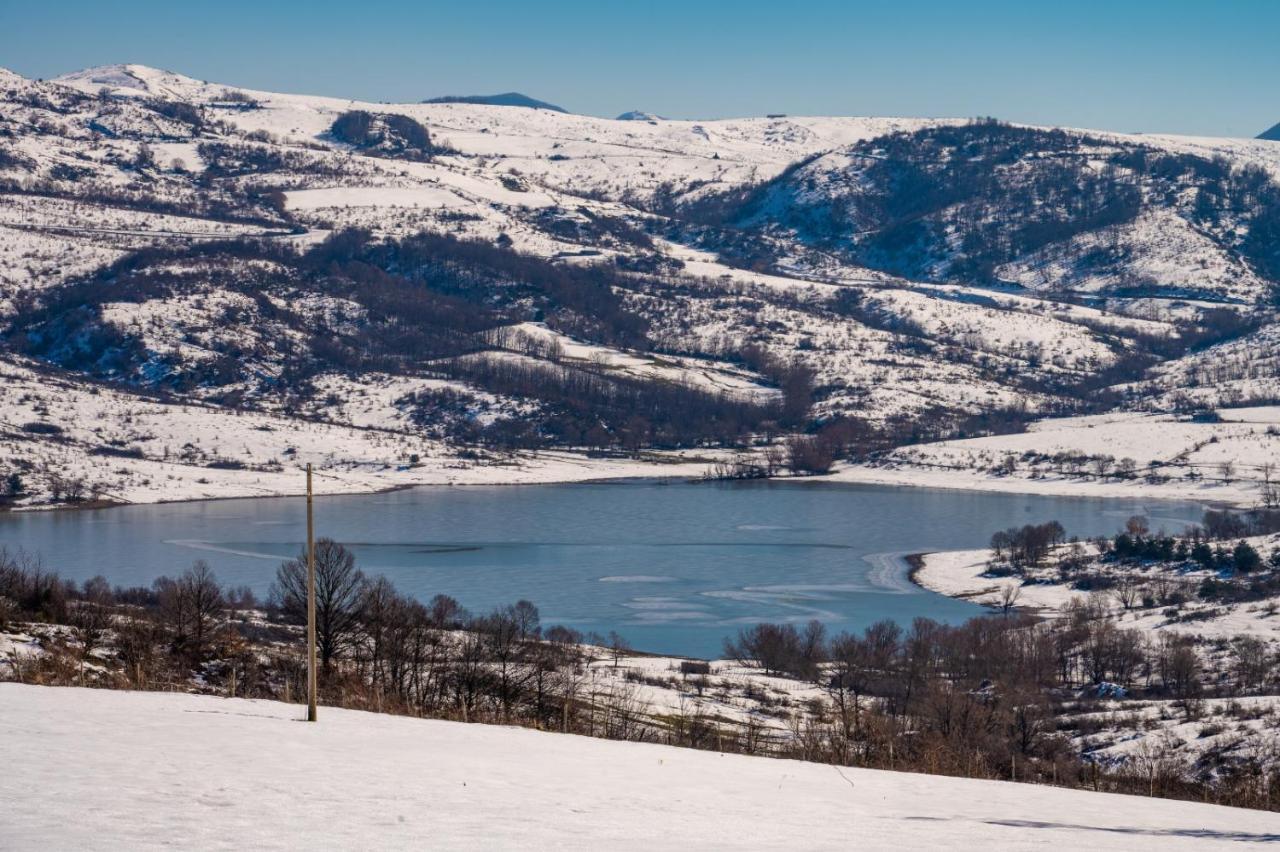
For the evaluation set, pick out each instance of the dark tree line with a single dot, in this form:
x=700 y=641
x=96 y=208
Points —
x=379 y=649
x=428 y=305
x=387 y=134
x=1028 y=545
x=581 y=407
x=959 y=201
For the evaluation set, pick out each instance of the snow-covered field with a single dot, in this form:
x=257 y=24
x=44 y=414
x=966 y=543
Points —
x=1168 y=457
x=964 y=574
x=96 y=769
x=119 y=447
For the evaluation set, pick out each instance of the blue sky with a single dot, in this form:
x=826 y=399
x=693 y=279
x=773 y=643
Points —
x=1209 y=67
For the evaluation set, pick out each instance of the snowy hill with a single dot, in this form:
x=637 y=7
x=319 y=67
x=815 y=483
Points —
x=1044 y=209
x=236 y=249
x=638 y=115
x=150 y=770
x=138 y=78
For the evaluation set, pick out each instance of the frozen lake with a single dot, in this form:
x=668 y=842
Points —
x=673 y=567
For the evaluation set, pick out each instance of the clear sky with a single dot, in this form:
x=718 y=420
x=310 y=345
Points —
x=1133 y=65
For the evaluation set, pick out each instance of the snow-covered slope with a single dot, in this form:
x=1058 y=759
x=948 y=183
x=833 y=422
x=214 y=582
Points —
x=1227 y=456
x=580 y=154
x=1045 y=209
x=150 y=226
x=96 y=769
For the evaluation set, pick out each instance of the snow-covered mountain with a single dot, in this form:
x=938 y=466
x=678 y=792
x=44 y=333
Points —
x=638 y=115
x=1046 y=210
x=517 y=279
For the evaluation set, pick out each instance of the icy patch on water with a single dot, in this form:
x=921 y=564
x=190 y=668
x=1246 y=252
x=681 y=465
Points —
x=794 y=605
x=638 y=578
x=810 y=591
x=662 y=610
x=195 y=544
x=890 y=573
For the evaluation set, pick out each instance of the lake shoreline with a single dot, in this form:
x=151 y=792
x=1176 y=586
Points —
x=672 y=565
x=603 y=479
x=972 y=481
x=646 y=470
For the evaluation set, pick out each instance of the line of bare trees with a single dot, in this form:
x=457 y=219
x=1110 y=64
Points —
x=983 y=699
x=990 y=698
x=378 y=648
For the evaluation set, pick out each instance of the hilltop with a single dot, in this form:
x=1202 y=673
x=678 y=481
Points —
x=514 y=99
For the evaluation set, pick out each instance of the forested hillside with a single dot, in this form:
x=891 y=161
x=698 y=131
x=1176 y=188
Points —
x=497 y=280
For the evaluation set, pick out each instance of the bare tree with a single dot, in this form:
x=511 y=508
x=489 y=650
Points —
x=1180 y=671
x=506 y=646
x=528 y=622
x=202 y=598
x=446 y=612
x=338 y=585
x=850 y=679
x=1009 y=595
x=190 y=605
x=74 y=489
x=1252 y=661
x=1127 y=591
x=1268 y=472
x=618 y=647
x=91 y=617
x=774 y=458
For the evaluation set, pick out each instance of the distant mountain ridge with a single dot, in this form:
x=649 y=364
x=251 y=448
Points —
x=639 y=115
x=514 y=99
x=1272 y=134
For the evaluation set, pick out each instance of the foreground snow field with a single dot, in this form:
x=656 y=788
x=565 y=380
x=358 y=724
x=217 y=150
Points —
x=101 y=769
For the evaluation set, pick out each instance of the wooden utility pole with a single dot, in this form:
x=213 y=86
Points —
x=311 y=606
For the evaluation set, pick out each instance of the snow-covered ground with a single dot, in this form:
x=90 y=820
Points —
x=964 y=574
x=1173 y=457
x=122 y=448
x=96 y=769
x=1137 y=732
x=132 y=449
